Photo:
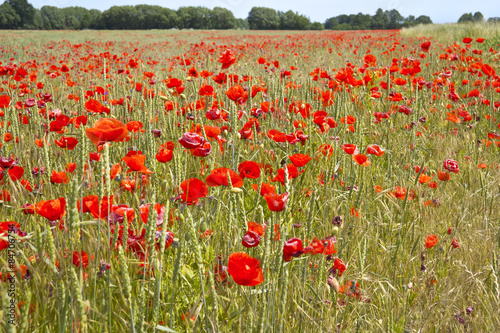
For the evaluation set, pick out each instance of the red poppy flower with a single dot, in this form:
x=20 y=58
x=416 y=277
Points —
x=338 y=265
x=164 y=155
x=300 y=160
x=52 y=210
x=95 y=106
x=193 y=189
x=59 y=177
x=361 y=159
x=431 y=241
x=292 y=248
x=266 y=188
x=467 y=40
x=375 y=150
x=245 y=270
x=80 y=258
x=425 y=46
x=136 y=163
x=91 y=205
x=276 y=202
x=191 y=140
x=250 y=239
x=107 y=130
x=4 y=101
x=218 y=177
x=443 y=176
x=237 y=94
x=249 y=169
x=451 y=166
x=227 y=59
x=16 y=172
x=67 y=142
x=350 y=149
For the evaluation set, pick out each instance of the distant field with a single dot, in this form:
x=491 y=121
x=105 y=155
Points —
x=243 y=181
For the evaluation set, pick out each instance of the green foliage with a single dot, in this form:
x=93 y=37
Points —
x=222 y=18
x=262 y=18
x=382 y=20
x=469 y=17
x=194 y=17
x=317 y=26
x=293 y=21
x=9 y=19
x=242 y=24
x=25 y=11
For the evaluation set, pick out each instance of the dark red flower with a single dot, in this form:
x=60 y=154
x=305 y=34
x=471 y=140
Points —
x=191 y=140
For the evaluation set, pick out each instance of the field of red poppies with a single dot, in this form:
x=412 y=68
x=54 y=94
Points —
x=184 y=181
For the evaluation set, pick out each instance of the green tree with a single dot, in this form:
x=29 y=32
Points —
x=96 y=19
x=262 y=18
x=76 y=18
x=9 y=19
x=478 y=17
x=155 y=17
x=222 y=18
x=120 y=18
x=242 y=24
x=317 y=26
x=466 y=17
x=194 y=17
x=396 y=20
x=361 y=22
x=331 y=23
x=494 y=20
x=293 y=21
x=52 y=18
x=24 y=9
x=423 y=19
x=380 y=20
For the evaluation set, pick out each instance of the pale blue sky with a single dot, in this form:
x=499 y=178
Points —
x=439 y=11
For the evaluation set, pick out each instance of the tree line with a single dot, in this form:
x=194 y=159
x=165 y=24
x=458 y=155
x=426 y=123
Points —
x=20 y=14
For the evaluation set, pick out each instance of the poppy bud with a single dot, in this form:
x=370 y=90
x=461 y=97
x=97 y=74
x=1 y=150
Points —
x=165 y=98
x=183 y=96
x=236 y=190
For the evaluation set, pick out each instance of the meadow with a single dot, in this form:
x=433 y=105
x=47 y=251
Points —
x=206 y=181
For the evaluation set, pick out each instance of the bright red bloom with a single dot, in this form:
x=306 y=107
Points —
x=95 y=106
x=245 y=270
x=425 y=46
x=91 y=205
x=265 y=189
x=218 y=177
x=338 y=265
x=292 y=248
x=16 y=172
x=59 y=177
x=136 y=163
x=249 y=169
x=375 y=150
x=300 y=160
x=193 y=189
x=67 y=142
x=350 y=148
x=4 y=101
x=52 y=210
x=107 y=130
x=276 y=202
x=80 y=258
x=431 y=241
x=237 y=94
x=227 y=59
